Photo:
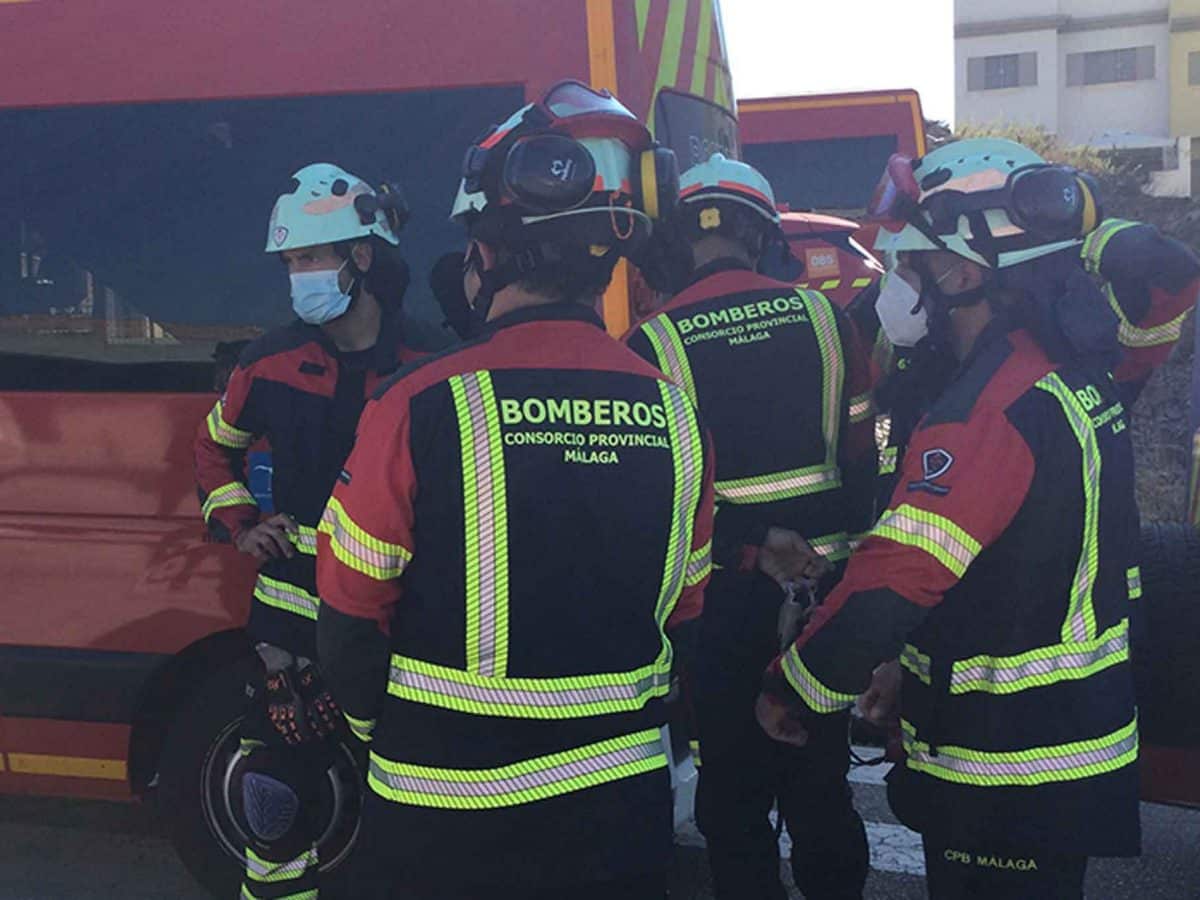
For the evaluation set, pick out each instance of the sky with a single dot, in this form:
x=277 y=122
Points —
x=783 y=47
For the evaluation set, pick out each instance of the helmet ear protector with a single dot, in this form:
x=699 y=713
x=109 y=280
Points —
x=1054 y=203
x=388 y=199
x=549 y=173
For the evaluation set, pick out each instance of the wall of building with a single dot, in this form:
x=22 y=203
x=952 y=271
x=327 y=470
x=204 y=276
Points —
x=1139 y=107
x=1185 y=40
x=1036 y=105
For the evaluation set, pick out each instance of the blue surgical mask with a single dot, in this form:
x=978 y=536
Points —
x=317 y=297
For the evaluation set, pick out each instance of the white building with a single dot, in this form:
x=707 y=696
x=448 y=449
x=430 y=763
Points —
x=1121 y=74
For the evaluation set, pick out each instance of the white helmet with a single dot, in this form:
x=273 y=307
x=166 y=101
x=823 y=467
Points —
x=720 y=178
x=327 y=205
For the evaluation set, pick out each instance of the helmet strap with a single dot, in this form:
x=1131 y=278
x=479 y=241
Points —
x=509 y=272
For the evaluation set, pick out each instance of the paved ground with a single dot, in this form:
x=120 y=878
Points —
x=69 y=850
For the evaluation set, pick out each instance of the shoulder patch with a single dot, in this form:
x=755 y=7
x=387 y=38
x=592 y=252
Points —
x=935 y=463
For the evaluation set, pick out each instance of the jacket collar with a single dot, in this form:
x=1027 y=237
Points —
x=721 y=264
x=548 y=312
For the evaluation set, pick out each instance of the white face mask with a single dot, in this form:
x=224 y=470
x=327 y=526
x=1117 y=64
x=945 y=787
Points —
x=903 y=323
x=317 y=297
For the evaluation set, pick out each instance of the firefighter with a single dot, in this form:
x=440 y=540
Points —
x=521 y=521
x=1000 y=573
x=302 y=388
x=782 y=383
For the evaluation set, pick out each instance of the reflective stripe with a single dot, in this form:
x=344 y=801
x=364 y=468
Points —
x=888 y=458
x=363 y=729
x=1016 y=768
x=1095 y=243
x=305 y=540
x=268 y=872
x=816 y=695
x=1131 y=335
x=485 y=507
x=833 y=369
x=699 y=565
x=572 y=697
x=287 y=597
x=358 y=549
x=1133 y=577
x=248 y=894
x=834 y=547
x=780 y=485
x=1043 y=666
x=233 y=494
x=830 y=284
x=936 y=535
x=694 y=747
x=916 y=662
x=687 y=459
x=861 y=408
x=672 y=358
x=225 y=434
x=522 y=782
x=862 y=282
x=1080 y=624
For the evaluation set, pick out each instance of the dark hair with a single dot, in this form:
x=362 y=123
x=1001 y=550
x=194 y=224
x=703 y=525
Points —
x=738 y=223
x=387 y=280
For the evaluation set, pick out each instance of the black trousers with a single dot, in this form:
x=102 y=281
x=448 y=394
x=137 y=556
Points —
x=743 y=772
x=642 y=887
x=952 y=873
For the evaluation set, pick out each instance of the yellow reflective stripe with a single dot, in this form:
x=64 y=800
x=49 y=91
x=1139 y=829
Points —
x=830 y=284
x=1133 y=578
x=888 y=459
x=271 y=872
x=363 y=729
x=779 y=485
x=287 y=597
x=945 y=541
x=519 y=783
x=308 y=894
x=1080 y=624
x=668 y=349
x=570 y=697
x=833 y=369
x=225 y=434
x=1043 y=666
x=861 y=408
x=485 y=523
x=1023 y=768
x=862 y=282
x=232 y=494
x=1134 y=336
x=694 y=747
x=815 y=694
x=304 y=540
x=699 y=565
x=1094 y=245
x=360 y=550
x=834 y=547
x=687 y=462
x=916 y=662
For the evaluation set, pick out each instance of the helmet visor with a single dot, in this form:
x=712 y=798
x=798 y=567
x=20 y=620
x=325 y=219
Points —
x=569 y=99
x=897 y=194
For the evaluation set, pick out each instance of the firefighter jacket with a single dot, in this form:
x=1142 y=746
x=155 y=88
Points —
x=526 y=515
x=1006 y=559
x=295 y=389
x=783 y=385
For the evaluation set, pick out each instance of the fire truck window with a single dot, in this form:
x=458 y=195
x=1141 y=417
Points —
x=834 y=174
x=132 y=236
x=694 y=128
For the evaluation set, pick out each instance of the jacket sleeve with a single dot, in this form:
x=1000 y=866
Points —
x=700 y=555
x=230 y=427
x=1152 y=283
x=364 y=544
x=960 y=486
x=858 y=457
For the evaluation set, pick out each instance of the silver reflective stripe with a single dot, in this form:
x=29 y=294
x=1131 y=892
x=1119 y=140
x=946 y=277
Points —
x=673 y=358
x=834 y=547
x=305 y=540
x=780 y=486
x=687 y=452
x=1045 y=666
x=916 y=662
x=288 y=597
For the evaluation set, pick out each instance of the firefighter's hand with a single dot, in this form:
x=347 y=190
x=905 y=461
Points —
x=787 y=557
x=285 y=707
x=780 y=721
x=880 y=705
x=269 y=538
x=324 y=715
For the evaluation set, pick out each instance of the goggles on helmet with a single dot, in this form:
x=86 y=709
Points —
x=1047 y=201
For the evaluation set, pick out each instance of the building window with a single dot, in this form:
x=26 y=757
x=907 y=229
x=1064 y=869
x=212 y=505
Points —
x=1009 y=70
x=1111 y=66
x=1194 y=68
